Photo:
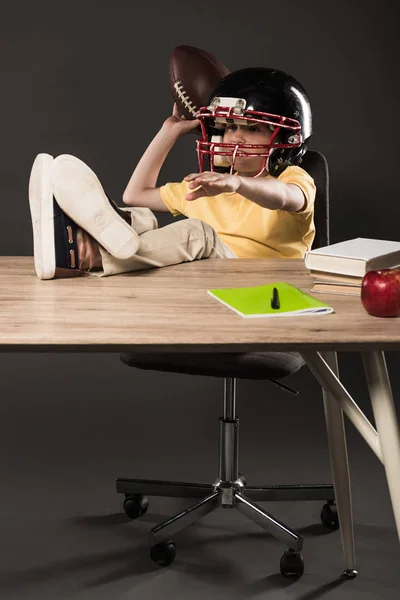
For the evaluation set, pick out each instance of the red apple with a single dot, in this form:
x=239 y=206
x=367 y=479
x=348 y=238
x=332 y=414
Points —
x=380 y=293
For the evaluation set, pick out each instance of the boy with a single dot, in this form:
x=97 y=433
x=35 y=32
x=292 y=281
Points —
x=256 y=127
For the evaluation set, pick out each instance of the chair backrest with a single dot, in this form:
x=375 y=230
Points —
x=316 y=165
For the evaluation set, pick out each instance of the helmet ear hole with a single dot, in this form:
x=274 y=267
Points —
x=285 y=157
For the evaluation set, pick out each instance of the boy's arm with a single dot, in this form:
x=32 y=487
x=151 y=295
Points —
x=141 y=189
x=272 y=193
x=268 y=193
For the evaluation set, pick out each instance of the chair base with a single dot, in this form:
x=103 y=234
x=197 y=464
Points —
x=184 y=489
x=227 y=494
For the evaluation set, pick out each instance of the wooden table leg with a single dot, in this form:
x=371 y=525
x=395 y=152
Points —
x=338 y=454
x=386 y=423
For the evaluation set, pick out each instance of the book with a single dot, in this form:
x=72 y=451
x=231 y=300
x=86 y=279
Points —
x=354 y=257
x=252 y=302
x=331 y=283
x=348 y=289
x=325 y=277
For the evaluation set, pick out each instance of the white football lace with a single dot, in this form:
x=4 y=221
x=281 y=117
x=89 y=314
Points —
x=184 y=98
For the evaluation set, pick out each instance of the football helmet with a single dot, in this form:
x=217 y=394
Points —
x=256 y=95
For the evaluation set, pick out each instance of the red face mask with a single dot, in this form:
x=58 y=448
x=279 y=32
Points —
x=233 y=110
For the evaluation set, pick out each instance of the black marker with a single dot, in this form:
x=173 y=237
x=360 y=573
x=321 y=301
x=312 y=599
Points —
x=275 y=299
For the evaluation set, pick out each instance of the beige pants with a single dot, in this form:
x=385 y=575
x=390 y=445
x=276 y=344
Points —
x=183 y=241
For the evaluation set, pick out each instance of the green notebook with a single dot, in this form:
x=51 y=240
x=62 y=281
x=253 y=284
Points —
x=250 y=302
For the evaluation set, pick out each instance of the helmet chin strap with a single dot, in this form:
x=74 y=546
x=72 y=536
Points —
x=263 y=167
x=272 y=150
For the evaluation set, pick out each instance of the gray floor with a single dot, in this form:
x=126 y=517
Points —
x=64 y=535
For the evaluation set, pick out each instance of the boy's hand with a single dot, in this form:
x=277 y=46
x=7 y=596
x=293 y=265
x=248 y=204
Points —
x=178 y=125
x=211 y=184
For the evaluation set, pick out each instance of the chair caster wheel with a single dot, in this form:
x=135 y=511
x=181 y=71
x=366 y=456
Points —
x=292 y=564
x=135 y=505
x=350 y=573
x=329 y=516
x=163 y=553
x=243 y=479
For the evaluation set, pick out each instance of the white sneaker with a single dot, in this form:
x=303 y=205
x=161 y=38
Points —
x=54 y=234
x=80 y=195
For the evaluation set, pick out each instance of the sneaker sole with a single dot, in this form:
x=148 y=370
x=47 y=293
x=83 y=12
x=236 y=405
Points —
x=81 y=196
x=41 y=206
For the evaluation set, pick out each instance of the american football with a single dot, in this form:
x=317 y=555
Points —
x=193 y=75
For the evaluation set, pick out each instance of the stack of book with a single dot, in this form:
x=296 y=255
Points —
x=339 y=268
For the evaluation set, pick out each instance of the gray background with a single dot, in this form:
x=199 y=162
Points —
x=90 y=79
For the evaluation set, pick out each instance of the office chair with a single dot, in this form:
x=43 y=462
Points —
x=230 y=488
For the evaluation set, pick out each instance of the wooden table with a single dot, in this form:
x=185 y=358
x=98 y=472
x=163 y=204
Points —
x=169 y=310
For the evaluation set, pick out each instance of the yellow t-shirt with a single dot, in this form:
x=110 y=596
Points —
x=248 y=229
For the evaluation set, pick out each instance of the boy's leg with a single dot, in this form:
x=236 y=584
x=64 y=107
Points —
x=183 y=241
x=61 y=248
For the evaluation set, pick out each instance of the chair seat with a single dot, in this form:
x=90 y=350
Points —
x=245 y=365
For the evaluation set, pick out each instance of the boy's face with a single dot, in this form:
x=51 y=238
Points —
x=256 y=133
